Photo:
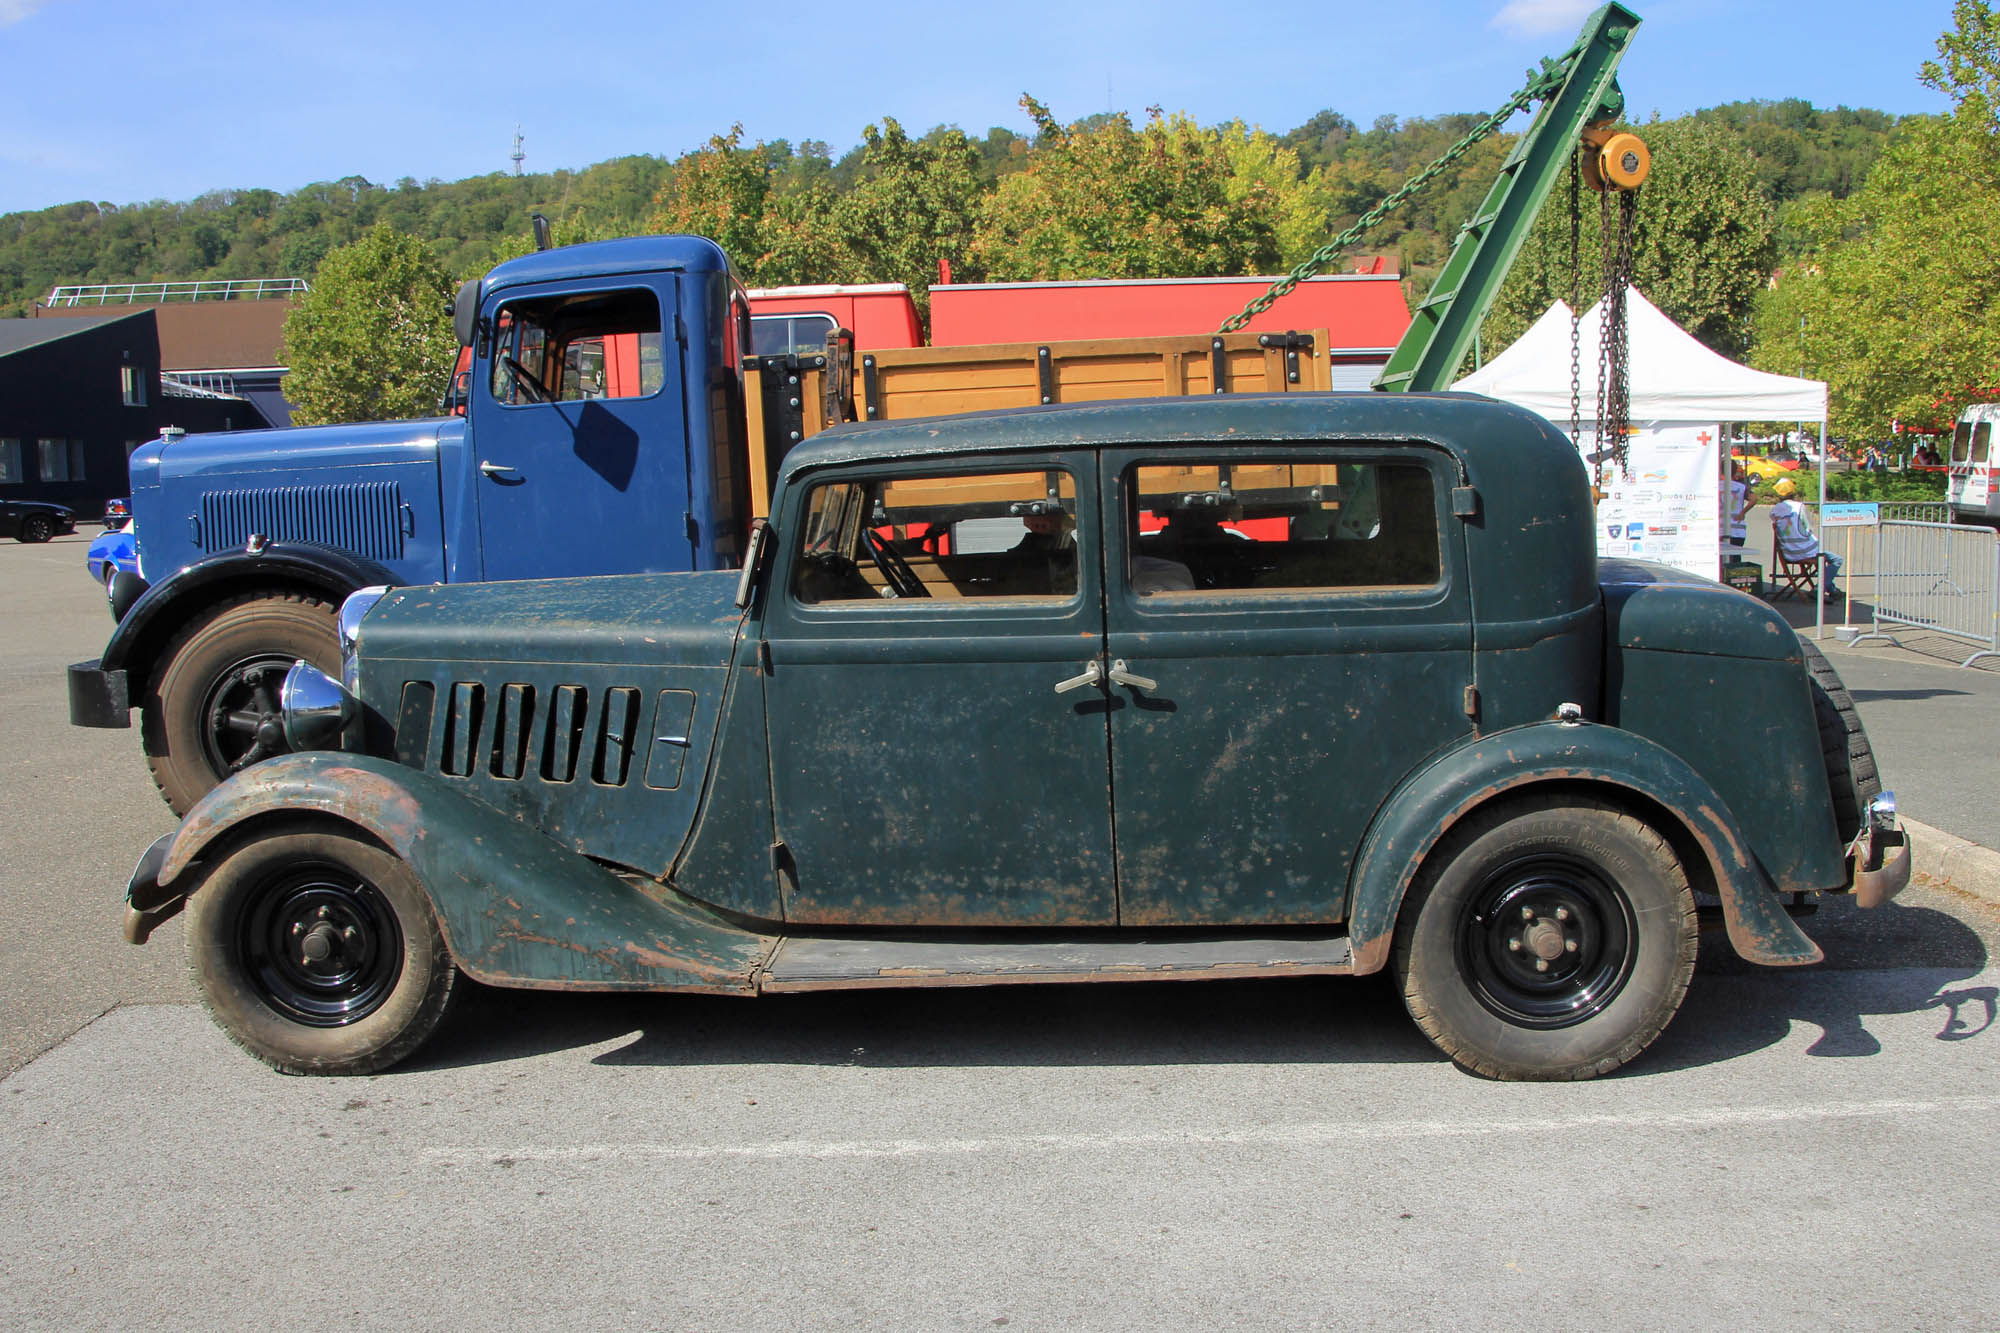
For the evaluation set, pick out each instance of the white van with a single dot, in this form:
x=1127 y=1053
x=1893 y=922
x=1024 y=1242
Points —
x=1974 y=491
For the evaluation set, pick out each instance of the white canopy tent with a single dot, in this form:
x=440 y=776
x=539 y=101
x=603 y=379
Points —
x=1674 y=379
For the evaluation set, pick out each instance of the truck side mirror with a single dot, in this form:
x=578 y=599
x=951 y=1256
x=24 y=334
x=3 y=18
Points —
x=464 y=311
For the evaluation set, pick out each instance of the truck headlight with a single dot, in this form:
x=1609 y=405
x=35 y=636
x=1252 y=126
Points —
x=316 y=710
x=351 y=611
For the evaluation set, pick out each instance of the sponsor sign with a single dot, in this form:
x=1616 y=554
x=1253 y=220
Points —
x=1850 y=515
x=1662 y=505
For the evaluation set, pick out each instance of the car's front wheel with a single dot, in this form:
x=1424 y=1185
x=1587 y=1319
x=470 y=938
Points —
x=1547 y=939
x=37 y=528
x=318 y=952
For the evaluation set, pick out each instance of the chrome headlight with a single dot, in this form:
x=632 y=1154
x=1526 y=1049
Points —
x=351 y=611
x=316 y=710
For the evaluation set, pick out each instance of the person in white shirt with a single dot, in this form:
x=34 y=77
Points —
x=1793 y=530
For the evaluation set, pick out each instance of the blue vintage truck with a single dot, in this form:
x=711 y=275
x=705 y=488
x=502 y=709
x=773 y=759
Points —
x=561 y=466
x=616 y=422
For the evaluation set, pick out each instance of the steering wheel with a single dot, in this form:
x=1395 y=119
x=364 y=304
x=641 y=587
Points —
x=903 y=580
x=530 y=387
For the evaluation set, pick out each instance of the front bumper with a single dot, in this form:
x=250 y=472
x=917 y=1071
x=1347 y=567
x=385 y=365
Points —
x=98 y=698
x=1878 y=860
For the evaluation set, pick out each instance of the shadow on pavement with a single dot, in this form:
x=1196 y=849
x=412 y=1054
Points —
x=1895 y=960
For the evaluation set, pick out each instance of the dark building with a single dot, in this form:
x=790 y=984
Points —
x=224 y=335
x=77 y=396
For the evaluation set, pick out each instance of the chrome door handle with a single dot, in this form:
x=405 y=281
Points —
x=495 y=469
x=1092 y=675
x=1120 y=676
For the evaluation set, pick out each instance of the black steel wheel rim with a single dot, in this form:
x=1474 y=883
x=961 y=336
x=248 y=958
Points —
x=37 y=529
x=321 y=944
x=1547 y=941
x=240 y=718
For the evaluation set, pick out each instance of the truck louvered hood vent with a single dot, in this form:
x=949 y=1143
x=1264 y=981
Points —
x=365 y=517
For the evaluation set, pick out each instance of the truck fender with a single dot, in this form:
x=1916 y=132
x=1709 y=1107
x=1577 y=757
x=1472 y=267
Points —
x=516 y=909
x=1428 y=803
x=167 y=605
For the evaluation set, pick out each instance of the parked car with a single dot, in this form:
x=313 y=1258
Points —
x=34 y=520
x=113 y=563
x=1764 y=469
x=1401 y=719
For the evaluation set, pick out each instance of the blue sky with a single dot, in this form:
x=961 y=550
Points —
x=122 y=101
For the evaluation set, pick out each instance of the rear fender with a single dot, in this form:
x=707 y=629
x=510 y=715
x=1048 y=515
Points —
x=1430 y=802
x=516 y=909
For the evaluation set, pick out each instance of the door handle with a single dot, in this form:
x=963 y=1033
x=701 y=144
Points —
x=1092 y=675
x=496 y=470
x=1120 y=676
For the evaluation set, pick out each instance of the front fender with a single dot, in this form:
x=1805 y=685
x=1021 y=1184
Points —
x=516 y=909
x=1432 y=800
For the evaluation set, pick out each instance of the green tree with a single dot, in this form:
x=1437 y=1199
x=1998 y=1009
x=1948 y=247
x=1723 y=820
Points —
x=1114 y=201
x=1703 y=243
x=1890 y=300
x=372 y=341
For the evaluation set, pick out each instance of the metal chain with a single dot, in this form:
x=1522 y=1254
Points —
x=1614 y=447
x=1614 y=359
x=1540 y=86
x=1576 y=300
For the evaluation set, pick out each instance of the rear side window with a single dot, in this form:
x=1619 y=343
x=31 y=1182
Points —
x=1292 y=526
x=1982 y=440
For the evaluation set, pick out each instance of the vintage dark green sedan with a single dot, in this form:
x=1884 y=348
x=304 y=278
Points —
x=1150 y=691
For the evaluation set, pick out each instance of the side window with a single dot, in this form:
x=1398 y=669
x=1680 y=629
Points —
x=1250 y=526
x=947 y=536
x=572 y=348
x=10 y=462
x=1982 y=441
x=1961 y=442
x=775 y=335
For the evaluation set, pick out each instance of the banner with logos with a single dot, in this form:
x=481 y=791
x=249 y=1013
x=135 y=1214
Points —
x=1663 y=505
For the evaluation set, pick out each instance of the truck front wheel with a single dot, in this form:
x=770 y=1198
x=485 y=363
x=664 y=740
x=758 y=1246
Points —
x=212 y=707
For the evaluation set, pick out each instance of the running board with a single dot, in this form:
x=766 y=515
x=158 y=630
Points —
x=820 y=963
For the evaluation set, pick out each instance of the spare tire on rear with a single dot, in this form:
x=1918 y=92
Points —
x=1843 y=743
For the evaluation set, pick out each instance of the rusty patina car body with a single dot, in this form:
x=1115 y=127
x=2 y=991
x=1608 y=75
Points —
x=1145 y=690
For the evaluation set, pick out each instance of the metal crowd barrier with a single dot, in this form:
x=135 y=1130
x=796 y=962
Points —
x=1938 y=577
x=1915 y=511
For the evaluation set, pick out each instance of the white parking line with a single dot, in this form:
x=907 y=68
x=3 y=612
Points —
x=1307 y=1135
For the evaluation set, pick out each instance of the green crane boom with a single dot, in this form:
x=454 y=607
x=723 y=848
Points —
x=1442 y=328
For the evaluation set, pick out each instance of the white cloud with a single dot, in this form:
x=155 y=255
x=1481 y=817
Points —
x=1525 y=18
x=13 y=11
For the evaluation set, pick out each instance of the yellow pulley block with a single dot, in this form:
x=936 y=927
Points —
x=1616 y=160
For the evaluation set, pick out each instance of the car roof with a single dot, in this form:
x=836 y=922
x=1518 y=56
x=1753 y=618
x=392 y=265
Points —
x=1470 y=425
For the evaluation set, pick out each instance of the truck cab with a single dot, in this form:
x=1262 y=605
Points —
x=603 y=433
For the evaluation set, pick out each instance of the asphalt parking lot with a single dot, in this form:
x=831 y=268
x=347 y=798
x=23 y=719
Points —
x=1798 y=1145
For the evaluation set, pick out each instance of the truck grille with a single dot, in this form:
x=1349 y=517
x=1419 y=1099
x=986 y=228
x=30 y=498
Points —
x=365 y=517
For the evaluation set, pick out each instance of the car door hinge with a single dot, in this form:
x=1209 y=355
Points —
x=680 y=328
x=1472 y=702
x=764 y=656
x=693 y=529
x=1465 y=501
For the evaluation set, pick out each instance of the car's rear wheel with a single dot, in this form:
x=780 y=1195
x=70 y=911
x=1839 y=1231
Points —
x=1551 y=938
x=318 y=952
x=37 y=528
x=213 y=705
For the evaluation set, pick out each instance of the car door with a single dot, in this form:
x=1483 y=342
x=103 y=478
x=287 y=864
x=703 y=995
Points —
x=582 y=470
x=1289 y=635
x=940 y=757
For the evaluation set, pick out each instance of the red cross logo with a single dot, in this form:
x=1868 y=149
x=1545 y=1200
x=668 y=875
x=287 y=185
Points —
x=1703 y=437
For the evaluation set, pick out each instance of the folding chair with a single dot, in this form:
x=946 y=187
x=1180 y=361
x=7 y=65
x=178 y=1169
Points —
x=1791 y=578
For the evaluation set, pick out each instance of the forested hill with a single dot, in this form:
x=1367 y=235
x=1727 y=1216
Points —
x=1336 y=171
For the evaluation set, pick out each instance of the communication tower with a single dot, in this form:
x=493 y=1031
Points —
x=517 y=155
